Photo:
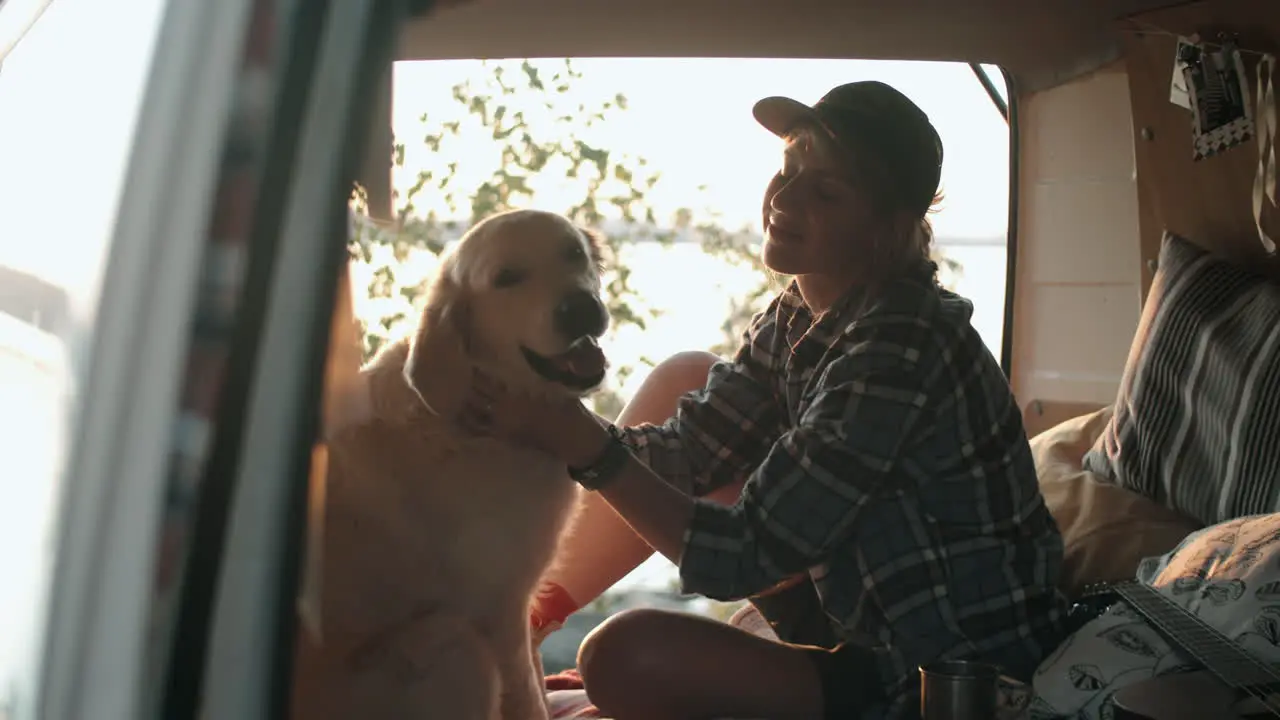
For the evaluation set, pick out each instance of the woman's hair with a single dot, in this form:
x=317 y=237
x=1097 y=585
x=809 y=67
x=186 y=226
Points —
x=910 y=244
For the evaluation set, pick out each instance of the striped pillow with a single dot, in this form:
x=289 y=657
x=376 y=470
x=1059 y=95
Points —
x=1197 y=420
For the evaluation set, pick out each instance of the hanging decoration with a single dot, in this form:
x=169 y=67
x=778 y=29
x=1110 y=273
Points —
x=1217 y=93
x=1264 y=182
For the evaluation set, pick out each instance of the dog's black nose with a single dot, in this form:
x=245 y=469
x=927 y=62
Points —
x=580 y=314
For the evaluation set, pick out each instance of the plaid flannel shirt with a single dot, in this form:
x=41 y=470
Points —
x=885 y=457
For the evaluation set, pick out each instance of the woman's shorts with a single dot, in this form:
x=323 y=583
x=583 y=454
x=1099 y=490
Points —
x=850 y=680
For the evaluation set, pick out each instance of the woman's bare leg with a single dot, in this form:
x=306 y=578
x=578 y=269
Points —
x=731 y=672
x=660 y=665
x=599 y=548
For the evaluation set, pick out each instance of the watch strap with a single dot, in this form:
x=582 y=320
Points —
x=606 y=466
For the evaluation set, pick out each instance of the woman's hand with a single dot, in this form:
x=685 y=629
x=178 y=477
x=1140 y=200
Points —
x=563 y=428
x=655 y=509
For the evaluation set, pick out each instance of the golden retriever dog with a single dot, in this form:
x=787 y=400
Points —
x=434 y=539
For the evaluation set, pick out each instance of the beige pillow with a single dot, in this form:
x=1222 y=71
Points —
x=1106 y=529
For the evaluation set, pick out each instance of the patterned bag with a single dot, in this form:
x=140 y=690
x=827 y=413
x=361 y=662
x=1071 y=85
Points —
x=1228 y=575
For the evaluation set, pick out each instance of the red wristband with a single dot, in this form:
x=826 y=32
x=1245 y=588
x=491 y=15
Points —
x=551 y=604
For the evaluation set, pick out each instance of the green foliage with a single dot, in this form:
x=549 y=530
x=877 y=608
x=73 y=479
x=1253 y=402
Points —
x=502 y=106
x=743 y=248
x=519 y=126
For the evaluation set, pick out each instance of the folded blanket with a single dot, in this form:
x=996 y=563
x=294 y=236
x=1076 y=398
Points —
x=567 y=697
x=567 y=680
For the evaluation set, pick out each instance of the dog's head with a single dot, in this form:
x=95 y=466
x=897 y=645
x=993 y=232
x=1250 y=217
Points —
x=518 y=297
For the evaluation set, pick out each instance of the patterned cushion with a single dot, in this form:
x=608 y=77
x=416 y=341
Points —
x=1228 y=575
x=1195 y=425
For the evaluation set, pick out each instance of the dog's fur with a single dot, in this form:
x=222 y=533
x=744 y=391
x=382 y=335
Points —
x=434 y=539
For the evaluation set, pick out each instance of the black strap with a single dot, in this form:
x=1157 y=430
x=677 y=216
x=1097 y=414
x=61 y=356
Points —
x=607 y=465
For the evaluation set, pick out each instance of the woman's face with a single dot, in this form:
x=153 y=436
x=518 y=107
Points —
x=817 y=220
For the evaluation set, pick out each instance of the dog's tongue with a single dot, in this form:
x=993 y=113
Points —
x=584 y=359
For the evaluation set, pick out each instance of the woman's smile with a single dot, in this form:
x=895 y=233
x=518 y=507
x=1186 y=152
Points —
x=782 y=234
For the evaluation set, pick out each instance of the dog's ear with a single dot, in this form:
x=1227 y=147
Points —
x=597 y=247
x=438 y=366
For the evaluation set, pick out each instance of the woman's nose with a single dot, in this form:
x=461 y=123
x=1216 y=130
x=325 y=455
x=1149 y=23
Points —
x=782 y=199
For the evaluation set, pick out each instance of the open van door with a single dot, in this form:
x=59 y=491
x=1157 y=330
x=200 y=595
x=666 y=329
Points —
x=174 y=178
x=156 y=576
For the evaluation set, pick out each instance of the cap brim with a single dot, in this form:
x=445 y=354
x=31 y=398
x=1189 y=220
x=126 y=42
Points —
x=779 y=115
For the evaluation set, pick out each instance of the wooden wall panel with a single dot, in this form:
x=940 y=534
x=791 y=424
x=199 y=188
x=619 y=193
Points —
x=1076 y=297
x=1207 y=201
x=1041 y=415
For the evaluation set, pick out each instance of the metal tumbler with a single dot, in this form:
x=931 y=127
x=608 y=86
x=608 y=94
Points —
x=958 y=690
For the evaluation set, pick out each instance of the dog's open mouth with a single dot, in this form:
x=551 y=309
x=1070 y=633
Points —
x=580 y=368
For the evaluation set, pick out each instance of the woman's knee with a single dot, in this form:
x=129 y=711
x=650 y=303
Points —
x=619 y=643
x=619 y=650
x=648 y=663
x=655 y=401
x=688 y=368
x=679 y=374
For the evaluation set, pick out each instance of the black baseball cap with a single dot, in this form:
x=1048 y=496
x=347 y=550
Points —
x=871 y=120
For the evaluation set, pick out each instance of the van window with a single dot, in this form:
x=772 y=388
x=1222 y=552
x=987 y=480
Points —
x=663 y=155
x=70 y=94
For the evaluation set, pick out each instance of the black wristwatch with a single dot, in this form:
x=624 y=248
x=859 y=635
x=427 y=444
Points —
x=607 y=464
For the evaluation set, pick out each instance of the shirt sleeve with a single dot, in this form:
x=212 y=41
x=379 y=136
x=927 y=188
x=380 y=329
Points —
x=721 y=432
x=805 y=496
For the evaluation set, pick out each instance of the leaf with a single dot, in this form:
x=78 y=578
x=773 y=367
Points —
x=1268 y=592
x=1224 y=592
x=390 y=320
x=1124 y=637
x=1086 y=677
x=508 y=105
x=531 y=73
x=1186 y=584
x=1267 y=624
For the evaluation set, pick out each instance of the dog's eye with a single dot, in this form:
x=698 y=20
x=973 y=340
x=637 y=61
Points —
x=508 y=277
x=575 y=252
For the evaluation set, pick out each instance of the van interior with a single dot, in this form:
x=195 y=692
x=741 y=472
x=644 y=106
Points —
x=1141 y=315
x=1109 y=169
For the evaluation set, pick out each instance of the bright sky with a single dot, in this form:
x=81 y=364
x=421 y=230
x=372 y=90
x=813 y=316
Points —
x=67 y=122
x=69 y=98
x=691 y=118
x=71 y=92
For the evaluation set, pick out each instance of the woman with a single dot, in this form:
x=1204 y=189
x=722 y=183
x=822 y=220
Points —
x=864 y=445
